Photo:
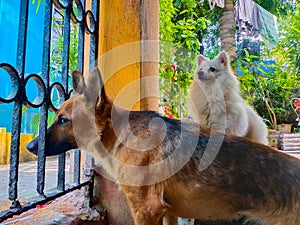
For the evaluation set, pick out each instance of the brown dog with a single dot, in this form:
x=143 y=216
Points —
x=168 y=167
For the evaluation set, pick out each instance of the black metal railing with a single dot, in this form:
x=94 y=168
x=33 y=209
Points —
x=72 y=11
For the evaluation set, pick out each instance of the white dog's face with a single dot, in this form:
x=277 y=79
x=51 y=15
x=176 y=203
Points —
x=211 y=70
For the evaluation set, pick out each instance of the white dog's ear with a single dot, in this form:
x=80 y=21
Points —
x=223 y=57
x=78 y=82
x=200 y=59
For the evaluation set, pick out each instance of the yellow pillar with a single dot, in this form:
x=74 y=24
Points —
x=3 y=146
x=149 y=26
x=128 y=52
x=119 y=51
x=128 y=61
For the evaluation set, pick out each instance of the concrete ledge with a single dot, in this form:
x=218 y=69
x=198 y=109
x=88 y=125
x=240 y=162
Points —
x=73 y=208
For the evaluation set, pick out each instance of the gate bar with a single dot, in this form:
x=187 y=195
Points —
x=17 y=111
x=44 y=108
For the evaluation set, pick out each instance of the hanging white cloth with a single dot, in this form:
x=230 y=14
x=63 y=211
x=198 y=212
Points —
x=253 y=20
x=247 y=17
x=269 y=28
x=212 y=3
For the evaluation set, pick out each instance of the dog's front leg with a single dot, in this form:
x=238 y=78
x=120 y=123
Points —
x=145 y=204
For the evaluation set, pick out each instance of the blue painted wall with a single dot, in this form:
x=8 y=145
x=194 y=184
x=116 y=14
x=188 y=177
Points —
x=266 y=67
x=9 y=22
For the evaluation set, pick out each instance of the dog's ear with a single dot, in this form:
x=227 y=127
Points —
x=200 y=59
x=95 y=88
x=78 y=82
x=101 y=91
x=223 y=57
x=103 y=104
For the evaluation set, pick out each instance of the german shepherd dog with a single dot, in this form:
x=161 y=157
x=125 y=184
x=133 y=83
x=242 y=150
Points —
x=175 y=168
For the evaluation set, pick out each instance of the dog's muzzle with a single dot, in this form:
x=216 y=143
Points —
x=200 y=75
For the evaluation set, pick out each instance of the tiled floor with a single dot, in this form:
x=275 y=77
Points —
x=27 y=180
x=69 y=209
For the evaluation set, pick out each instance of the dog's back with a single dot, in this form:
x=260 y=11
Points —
x=244 y=178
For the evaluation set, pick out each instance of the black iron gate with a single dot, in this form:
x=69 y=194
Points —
x=72 y=11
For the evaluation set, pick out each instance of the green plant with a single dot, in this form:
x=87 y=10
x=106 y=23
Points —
x=57 y=49
x=179 y=25
x=174 y=89
x=56 y=61
x=268 y=90
x=38 y=4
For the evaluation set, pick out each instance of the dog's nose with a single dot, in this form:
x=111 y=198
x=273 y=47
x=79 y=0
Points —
x=33 y=146
x=200 y=74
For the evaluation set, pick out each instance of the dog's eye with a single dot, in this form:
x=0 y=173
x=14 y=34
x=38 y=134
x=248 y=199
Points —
x=212 y=69
x=62 y=121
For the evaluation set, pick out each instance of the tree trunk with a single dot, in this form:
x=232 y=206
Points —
x=227 y=29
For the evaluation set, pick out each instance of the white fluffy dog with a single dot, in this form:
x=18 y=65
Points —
x=215 y=101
